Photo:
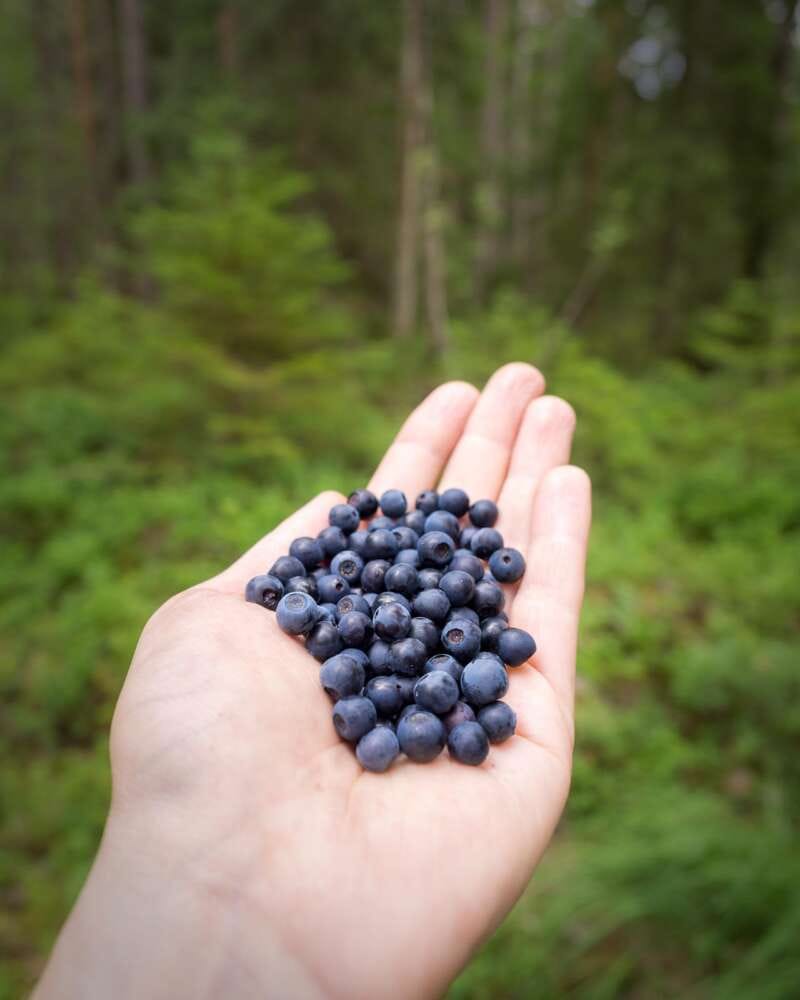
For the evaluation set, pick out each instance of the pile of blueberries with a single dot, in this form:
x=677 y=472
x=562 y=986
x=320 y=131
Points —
x=407 y=622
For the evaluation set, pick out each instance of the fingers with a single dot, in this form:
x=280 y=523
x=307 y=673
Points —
x=549 y=598
x=307 y=521
x=416 y=457
x=480 y=459
x=543 y=442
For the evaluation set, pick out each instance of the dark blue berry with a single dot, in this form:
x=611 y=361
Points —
x=323 y=641
x=359 y=656
x=402 y=579
x=467 y=743
x=444 y=661
x=332 y=588
x=485 y=541
x=405 y=685
x=304 y=584
x=296 y=613
x=428 y=501
x=484 y=681
x=406 y=656
x=286 y=567
x=386 y=694
x=341 y=676
x=379 y=656
x=468 y=562
x=380 y=544
x=415 y=519
x=409 y=557
x=421 y=736
x=377 y=749
x=355 y=542
x=462 y=639
x=455 y=501
x=353 y=602
x=488 y=599
x=443 y=520
x=483 y=513
x=469 y=613
x=308 y=551
x=433 y=604
x=435 y=549
x=460 y=712
x=515 y=646
x=355 y=628
x=391 y=622
x=372 y=575
x=436 y=691
x=371 y=598
x=348 y=565
x=381 y=523
x=393 y=503
x=466 y=535
x=343 y=516
x=427 y=632
x=507 y=565
x=458 y=585
x=389 y=723
x=392 y=597
x=365 y=502
x=406 y=538
x=429 y=578
x=407 y=710
x=318 y=573
x=491 y=629
x=265 y=590
x=326 y=613
x=332 y=540
x=353 y=717
x=498 y=721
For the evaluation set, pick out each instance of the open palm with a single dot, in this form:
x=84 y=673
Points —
x=312 y=876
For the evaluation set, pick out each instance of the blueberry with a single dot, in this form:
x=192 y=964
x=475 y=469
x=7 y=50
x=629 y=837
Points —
x=406 y=656
x=429 y=578
x=498 y=720
x=379 y=657
x=468 y=743
x=355 y=542
x=364 y=501
x=459 y=587
x=308 y=551
x=265 y=590
x=405 y=685
x=466 y=535
x=468 y=562
x=391 y=621
x=443 y=520
x=377 y=749
x=286 y=567
x=359 y=656
x=483 y=513
x=460 y=712
x=381 y=523
x=408 y=557
x=454 y=501
x=372 y=575
x=435 y=548
x=392 y=597
x=483 y=681
x=326 y=613
x=515 y=646
x=341 y=676
x=444 y=661
x=488 y=599
x=343 y=516
x=332 y=588
x=461 y=638
x=323 y=641
x=296 y=613
x=371 y=599
x=406 y=538
x=394 y=503
x=427 y=633
x=355 y=628
x=491 y=629
x=348 y=565
x=353 y=717
x=386 y=694
x=332 y=540
x=380 y=544
x=469 y=613
x=303 y=584
x=433 y=604
x=389 y=723
x=421 y=736
x=353 y=602
x=485 y=541
x=411 y=707
x=317 y=574
x=415 y=519
x=507 y=565
x=402 y=579
x=428 y=501
x=436 y=691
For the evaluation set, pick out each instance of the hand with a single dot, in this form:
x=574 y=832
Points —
x=246 y=852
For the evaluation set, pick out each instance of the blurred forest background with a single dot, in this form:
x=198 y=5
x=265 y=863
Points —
x=238 y=240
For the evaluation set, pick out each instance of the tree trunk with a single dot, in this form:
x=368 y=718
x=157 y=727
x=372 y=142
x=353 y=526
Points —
x=432 y=220
x=84 y=94
x=134 y=87
x=228 y=39
x=490 y=200
x=406 y=267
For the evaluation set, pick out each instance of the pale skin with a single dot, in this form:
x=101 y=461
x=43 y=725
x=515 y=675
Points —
x=246 y=853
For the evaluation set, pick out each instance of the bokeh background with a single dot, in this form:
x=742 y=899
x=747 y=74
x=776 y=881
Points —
x=238 y=240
